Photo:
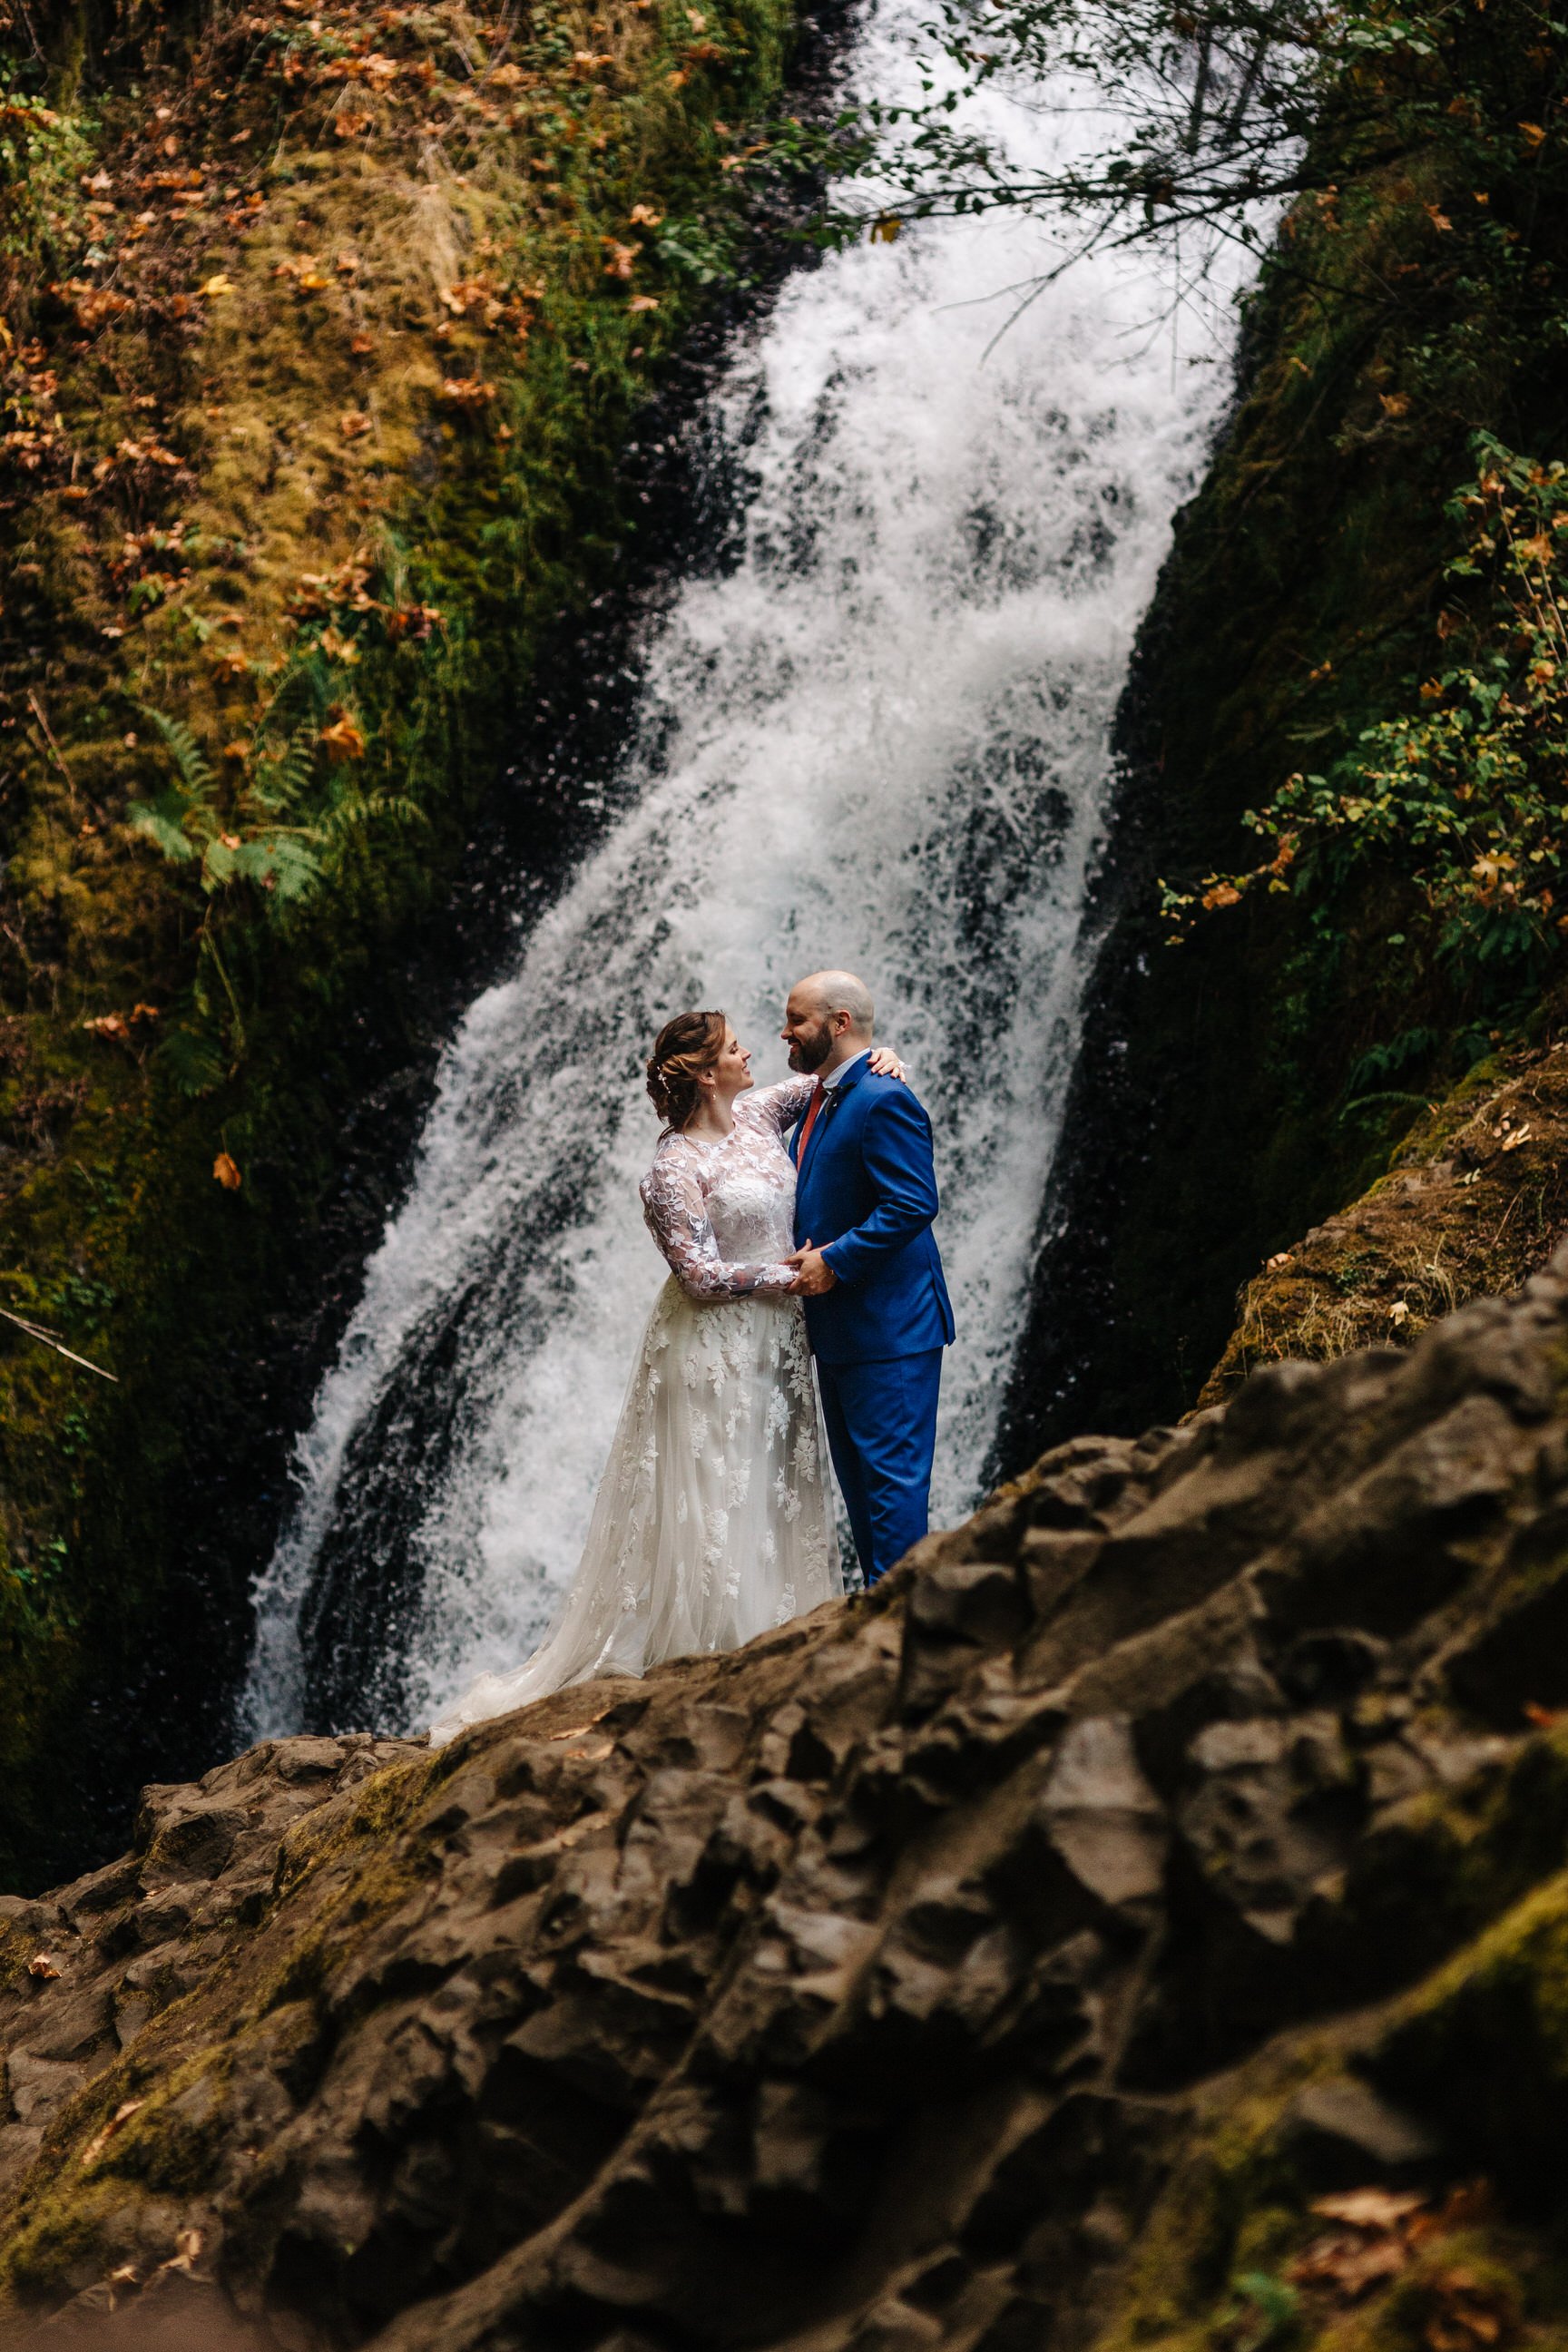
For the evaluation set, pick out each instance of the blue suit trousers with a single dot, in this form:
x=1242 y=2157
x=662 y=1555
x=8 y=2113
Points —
x=881 y=1433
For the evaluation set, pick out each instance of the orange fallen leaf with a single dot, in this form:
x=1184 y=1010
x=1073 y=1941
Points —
x=343 y=740
x=467 y=392
x=354 y=425
x=228 y=1174
x=1471 y=2314
x=1353 y=2266
x=42 y=1964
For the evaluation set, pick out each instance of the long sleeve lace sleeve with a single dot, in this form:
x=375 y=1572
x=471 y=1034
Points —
x=677 y=1217
x=780 y=1106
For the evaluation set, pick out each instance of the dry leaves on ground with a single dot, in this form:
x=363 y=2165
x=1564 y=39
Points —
x=467 y=393
x=1380 y=2233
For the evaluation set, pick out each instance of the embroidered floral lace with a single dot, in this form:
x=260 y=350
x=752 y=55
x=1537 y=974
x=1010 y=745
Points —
x=723 y=1214
x=713 y=1520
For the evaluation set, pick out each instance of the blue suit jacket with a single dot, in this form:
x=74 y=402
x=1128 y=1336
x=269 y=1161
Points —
x=866 y=1196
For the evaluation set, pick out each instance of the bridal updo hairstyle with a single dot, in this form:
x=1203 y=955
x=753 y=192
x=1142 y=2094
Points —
x=683 y=1049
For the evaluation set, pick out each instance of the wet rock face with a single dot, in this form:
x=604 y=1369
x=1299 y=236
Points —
x=869 y=1983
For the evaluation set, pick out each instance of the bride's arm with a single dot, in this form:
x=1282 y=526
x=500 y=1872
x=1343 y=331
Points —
x=780 y=1106
x=677 y=1217
x=783 y=1104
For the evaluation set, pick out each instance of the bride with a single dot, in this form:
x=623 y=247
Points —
x=713 y=1520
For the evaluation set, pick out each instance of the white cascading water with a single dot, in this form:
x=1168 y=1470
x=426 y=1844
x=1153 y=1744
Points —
x=881 y=741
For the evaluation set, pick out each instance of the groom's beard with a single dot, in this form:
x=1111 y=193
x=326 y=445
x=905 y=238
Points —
x=807 y=1054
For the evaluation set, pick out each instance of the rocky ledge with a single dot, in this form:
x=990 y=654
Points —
x=1144 y=1922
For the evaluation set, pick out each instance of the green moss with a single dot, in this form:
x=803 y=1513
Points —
x=1481 y=2049
x=294 y=566
x=1304 y=602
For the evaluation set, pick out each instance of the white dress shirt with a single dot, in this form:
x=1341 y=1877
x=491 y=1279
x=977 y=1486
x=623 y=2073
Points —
x=831 y=1078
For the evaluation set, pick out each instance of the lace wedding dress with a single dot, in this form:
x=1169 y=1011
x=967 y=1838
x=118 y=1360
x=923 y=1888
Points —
x=713 y=1520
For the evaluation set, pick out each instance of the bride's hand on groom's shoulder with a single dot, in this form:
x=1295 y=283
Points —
x=885 y=1062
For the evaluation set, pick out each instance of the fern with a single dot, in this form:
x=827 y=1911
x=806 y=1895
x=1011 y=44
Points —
x=283 y=783
x=296 y=827
x=282 y=862
x=196 y=779
x=193 y=1059
x=162 y=822
x=362 y=811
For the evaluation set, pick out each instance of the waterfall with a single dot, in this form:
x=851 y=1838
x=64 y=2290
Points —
x=879 y=739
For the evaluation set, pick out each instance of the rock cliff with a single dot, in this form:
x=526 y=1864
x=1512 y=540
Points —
x=1252 y=1069
x=1143 y=1922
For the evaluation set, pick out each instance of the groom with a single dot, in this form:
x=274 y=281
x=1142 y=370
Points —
x=876 y=1305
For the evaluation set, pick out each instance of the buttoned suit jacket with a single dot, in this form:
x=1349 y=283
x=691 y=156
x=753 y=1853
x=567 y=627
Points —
x=866 y=1196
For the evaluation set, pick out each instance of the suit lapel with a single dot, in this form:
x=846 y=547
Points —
x=835 y=1097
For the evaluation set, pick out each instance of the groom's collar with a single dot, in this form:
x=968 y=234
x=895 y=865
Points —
x=846 y=1072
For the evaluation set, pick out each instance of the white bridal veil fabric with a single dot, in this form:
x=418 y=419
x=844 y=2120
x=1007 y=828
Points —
x=713 y=1520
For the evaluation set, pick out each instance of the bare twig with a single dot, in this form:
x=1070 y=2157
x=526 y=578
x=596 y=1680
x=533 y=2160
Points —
x=72 y=786
x=36 y=1331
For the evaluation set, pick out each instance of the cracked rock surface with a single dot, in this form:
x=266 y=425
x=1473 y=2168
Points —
x=884 y=1984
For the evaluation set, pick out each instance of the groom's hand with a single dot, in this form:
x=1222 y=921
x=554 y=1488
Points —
x=813 y=1274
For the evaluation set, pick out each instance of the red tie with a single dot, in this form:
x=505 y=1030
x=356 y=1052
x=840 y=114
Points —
x=817 y=1099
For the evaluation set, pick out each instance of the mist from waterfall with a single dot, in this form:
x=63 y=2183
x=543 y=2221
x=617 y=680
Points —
x=879 y=738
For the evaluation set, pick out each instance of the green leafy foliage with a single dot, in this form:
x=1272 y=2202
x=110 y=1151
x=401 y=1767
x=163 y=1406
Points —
x=279 y=832
x=42 y=151
x=1459 y=805
x=1270 y=2311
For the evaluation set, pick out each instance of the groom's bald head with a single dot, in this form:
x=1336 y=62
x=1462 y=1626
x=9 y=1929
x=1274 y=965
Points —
x=829 y=1019
x=840 y=992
